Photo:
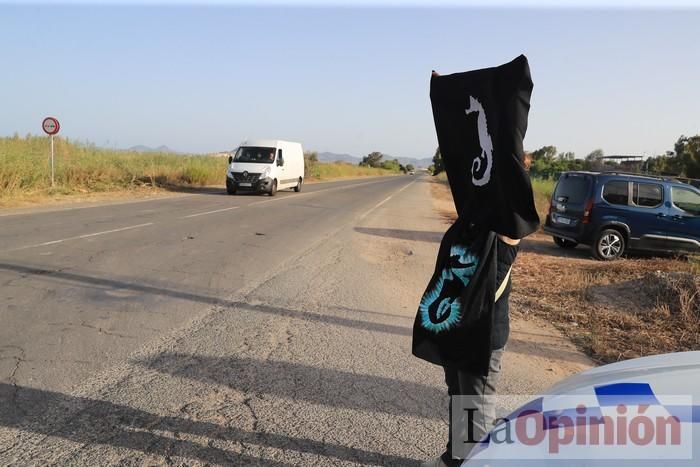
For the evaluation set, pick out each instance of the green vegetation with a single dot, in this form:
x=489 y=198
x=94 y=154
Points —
x=374 y=160
x=542 y=190
x=683 y=161
x=85 y=168
x=437 y=166
x=313 y=169
x=548 y=162
x=80 y=167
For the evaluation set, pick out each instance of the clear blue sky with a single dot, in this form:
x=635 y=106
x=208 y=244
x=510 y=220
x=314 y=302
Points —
x=341 y=79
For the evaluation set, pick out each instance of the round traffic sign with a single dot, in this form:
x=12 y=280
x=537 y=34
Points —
x=50 y=125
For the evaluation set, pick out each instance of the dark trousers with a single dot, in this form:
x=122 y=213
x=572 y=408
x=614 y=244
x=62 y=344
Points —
x=464 y=383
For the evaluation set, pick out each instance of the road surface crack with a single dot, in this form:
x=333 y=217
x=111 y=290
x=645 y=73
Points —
x=19 y=359
x=104 y=331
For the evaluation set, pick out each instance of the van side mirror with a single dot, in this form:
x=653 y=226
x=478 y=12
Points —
x=230 y=159
x=280 y=162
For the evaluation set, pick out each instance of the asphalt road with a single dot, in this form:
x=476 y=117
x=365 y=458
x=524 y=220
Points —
x=208 y=329
x=83 y=288
x=215 y=329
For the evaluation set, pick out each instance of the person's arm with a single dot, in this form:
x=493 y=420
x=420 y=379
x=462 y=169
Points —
x=508 y=240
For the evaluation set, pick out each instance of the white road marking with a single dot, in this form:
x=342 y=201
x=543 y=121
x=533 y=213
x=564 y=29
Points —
x=344 y=187
x=98 y=204
x=79 y=237
x=122 y=229
x=209 y=212
x=378 y=205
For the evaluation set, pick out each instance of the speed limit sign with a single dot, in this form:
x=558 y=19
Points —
x=50 y=126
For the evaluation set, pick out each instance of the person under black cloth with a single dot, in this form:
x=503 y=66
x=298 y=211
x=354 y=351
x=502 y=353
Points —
x=465 y=383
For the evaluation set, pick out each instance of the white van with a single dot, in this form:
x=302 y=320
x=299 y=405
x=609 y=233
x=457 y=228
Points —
x=265 y=166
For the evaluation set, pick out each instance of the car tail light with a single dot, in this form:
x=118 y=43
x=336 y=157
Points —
x=587 y=212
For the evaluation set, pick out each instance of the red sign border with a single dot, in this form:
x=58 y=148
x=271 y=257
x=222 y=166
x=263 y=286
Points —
x=55 y=120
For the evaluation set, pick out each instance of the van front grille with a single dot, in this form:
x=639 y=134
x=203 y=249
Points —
x=245 y=177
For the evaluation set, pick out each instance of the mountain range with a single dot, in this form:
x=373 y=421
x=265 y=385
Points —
x=142 y=148
x=334 y=157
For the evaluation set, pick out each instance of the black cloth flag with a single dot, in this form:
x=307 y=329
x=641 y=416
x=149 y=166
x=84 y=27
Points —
x=480 y=118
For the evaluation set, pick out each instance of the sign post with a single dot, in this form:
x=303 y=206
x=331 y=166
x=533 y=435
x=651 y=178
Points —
x=51 y=126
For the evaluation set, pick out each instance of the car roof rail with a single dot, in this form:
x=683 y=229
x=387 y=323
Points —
x=636 y=174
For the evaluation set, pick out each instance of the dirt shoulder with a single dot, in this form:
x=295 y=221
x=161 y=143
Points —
x=538 y=354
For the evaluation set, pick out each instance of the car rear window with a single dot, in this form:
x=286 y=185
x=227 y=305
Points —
x=647 y=195
x=616 y=192
x=572 y=189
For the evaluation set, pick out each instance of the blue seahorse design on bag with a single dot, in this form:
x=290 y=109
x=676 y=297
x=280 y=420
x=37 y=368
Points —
x=441 y=307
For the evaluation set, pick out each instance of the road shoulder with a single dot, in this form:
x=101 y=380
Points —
x=537 y=354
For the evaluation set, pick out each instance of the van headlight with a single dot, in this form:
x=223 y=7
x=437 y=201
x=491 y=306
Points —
x=266 y=173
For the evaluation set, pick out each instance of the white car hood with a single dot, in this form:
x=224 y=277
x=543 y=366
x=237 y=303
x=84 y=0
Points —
x=659 y=376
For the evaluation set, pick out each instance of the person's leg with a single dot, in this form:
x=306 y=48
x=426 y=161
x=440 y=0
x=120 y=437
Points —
x=480 y=388
x=452 y=382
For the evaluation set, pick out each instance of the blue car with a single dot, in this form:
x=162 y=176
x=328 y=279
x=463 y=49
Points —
x=615 y=212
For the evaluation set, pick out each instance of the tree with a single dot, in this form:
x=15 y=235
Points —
x=410 y=168
x=567 y=156
x=438 y=166
x=545 y=153
x=373 y=159
x=311 y=157
x=593 y=160
x=310 y=162
x=595 y=155
x=392 y=165
x=688 y=154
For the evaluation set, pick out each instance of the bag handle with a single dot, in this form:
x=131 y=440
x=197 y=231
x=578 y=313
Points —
x=504 y=284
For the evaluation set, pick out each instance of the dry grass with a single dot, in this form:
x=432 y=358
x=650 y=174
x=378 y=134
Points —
x=613 y=311
x=83 y=168
x=339 y=170
x=85 y=172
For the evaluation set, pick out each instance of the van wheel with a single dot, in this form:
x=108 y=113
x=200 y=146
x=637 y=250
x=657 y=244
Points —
x=564 y=243
x=273 y=189
x=609 y=245
x=298 y=187
x=230 y=189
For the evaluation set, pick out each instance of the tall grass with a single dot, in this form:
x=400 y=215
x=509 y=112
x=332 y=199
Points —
x=79 y=167
x=83 y=168
x=322 y=171
x=542 y=189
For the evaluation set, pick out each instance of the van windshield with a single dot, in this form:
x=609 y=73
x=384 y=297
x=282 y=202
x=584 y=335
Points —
x=258 y=155
x=572 y=189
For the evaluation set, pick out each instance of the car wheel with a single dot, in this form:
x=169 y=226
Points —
x=564 y=243
x=298 y=187
x=609 y=245
x=273 y=189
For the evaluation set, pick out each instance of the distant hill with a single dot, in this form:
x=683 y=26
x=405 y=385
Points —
x=426 y=162
x=334 y=157
x=142 y=148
